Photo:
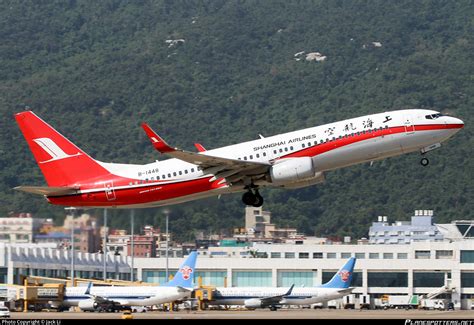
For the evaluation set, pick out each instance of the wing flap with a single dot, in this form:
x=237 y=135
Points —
x=48 y=190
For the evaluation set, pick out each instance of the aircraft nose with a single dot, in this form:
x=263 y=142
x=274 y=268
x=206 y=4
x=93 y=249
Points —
x=454 y=125
x=458 y=123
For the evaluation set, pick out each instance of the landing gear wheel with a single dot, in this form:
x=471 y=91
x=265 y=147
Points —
x=424 y=162
x=258 y=200
x=248 y=198
x=252 y=199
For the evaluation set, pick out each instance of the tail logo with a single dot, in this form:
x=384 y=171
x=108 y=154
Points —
x=186 y=272
x=52 y=149
x=344 y=274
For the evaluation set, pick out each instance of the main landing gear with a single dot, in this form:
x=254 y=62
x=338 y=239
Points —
x=252 y=198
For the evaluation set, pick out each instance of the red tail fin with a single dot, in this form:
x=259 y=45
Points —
x=61 y=162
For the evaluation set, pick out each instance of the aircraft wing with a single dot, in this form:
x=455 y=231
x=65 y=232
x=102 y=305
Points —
x=267 y=301
x=218 y=166
x=102 y=300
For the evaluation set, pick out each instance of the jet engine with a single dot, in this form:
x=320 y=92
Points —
x=88 y=304
x=294 y=173
x=253 y=303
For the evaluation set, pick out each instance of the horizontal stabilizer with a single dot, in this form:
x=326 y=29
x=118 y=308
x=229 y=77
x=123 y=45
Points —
x=48 y=191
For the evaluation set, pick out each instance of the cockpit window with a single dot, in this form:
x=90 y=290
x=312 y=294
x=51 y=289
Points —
x=433 y=116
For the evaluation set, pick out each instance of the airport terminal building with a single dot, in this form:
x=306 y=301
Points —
x=421 y=266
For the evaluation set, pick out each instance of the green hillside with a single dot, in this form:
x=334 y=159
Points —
x=96 y=69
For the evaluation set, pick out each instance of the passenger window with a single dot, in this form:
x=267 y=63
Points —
x=192 y=170
x=245 y=158
x=174 y=173
x=274 y=151
x=321 y=141
x=185 y=171
x=264 y=154
x=180 y=173
x=281 y=150
x=251 y=157
x=309 y=144
x=258 y=155
x=286 y=149
x=302 y=145
x=157 y=178
x=169 y=175
x=315 y=142
x=291 y=148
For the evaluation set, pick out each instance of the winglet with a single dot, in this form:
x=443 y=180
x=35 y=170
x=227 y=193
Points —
x=156 y=140
x=88 y=290
x=199 y=147
x=289 y=291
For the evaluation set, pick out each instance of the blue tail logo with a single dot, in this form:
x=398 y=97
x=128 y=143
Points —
x=343 y=278
x=184 y=277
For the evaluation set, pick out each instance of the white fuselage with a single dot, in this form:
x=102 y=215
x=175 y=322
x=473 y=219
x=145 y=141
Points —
x=126 y=296
x=298 y=296
x=330 y=146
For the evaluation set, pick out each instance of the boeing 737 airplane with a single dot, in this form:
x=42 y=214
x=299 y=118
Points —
x=255 y=297
x=106 y=298
x=290 y=160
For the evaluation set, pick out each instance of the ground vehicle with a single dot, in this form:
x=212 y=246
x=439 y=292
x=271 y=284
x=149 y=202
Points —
x=428 y=304
x=400 y=302
x=127 y=314
x=4 y=312
x=139 y=309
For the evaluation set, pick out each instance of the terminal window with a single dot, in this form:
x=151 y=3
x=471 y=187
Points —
x=387 y=279
x=467 y=279
x=467 y=256
x=402 y=256
x=422 y=254
x=428 y=279
x=318 y=255
x=289 y=255
x=360 y=255
x=444 y=254
x=275 y=255
x=373 y=255
x=331 y=255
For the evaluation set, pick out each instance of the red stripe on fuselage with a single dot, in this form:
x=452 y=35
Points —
x=155 y=191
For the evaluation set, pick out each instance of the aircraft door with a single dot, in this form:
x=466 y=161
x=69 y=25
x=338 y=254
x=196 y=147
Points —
x=408 y=124
x=109 y=190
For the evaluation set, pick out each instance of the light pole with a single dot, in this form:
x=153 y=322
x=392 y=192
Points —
x=132 y=222
x=167 y=212
x=72 y=210
x=104 y=246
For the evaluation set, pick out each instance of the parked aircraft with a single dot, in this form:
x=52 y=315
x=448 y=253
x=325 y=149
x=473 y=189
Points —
x=110 y=298
x=270 y=297
x=290 y=160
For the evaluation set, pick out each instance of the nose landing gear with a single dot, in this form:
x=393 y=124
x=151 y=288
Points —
x=252 y=198
x=424 y=162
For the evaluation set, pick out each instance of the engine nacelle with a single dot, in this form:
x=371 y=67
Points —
x=88 y=304
x=253 y=303
x=292 y=170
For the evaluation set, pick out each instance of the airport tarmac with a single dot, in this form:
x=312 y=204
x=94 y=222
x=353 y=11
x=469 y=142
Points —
x=260 y=314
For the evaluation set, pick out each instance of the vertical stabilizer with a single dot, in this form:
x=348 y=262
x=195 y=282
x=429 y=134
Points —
x=343 y=278
x=61 y=162
x=185 y=275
